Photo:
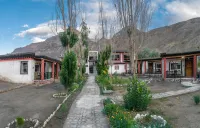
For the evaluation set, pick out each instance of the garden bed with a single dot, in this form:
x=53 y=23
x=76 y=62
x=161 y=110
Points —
x=180 y=111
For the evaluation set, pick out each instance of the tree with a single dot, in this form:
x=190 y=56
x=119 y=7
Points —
x=134 y=15
x=66 y=15
x=68 y=70
x=102 y=62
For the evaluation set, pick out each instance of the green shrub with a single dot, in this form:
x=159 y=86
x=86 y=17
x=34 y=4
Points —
x=121 y=119
x=118 y=80
x=138 y=95
x=20 y=121
x=110 y=108
x=118 y=117
x=196 y=99
x=68 y=70
x=107 y=101
x=74 y=87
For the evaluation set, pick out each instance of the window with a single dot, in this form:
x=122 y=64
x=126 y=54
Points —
x=158 y=66
x=24 y=67
x=175 y=66
x=126 y=58
x=115 y=57
x=116 y=67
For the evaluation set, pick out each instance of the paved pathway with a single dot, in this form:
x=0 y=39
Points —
x=85 y=111
x=175 y=93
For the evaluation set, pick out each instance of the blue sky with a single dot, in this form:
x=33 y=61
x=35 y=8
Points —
x=26 y=21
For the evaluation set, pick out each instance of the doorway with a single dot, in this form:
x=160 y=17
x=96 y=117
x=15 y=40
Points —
x=188 y=67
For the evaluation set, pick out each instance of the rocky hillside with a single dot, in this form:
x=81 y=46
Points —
x=180 y=37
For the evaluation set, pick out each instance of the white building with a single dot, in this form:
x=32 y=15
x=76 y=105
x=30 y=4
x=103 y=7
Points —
x=28 y=68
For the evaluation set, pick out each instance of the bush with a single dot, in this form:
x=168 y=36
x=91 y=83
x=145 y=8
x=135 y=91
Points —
x=196 y=99
x=117 y=80
x=110 y=108
x=138 y=95
x=20 y=121
x=68 y=70
x=121 y=119
x=107 y=101
x=118 y=117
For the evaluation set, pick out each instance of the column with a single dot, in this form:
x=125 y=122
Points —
x=164 y=73
x=195 y=67
x=138 y=67
x=53 y=70
x=42 y=69
x=145 y=68
x=58 y=69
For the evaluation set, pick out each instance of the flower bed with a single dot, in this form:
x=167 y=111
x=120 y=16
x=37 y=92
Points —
x=28 y=123
x=150 y=121
x=60 y=95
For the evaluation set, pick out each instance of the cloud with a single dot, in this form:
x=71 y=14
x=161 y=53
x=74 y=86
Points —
x=25 y=26
x=40 y=32
x=183 y=10
x=37 y=39
x=91 y=7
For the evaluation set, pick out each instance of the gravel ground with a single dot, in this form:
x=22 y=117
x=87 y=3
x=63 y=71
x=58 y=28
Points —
x=28 y=102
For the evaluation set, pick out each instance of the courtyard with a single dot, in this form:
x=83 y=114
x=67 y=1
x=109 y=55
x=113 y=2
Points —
x=28 y=102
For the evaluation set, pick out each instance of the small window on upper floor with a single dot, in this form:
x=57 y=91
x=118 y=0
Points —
x=24 y=67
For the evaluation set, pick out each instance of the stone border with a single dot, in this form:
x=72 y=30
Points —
x=54 y=112
x=31 y=120
x=13 y=88
x=59 y=95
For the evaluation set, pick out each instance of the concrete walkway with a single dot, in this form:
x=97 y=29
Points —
x=175 y=93
x=85 y=111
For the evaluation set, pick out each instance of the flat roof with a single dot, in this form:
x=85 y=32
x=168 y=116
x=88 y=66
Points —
x=179 y=54
x=27 y=55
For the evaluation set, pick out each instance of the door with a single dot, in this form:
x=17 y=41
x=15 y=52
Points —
x=188 y=67
x=150 y=66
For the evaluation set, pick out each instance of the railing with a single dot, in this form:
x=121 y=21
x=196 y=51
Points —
x=174 y=74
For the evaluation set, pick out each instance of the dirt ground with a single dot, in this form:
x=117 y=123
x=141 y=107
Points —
x=28 y=102
x=180 y=111
x=164 y=86
x=6 y=85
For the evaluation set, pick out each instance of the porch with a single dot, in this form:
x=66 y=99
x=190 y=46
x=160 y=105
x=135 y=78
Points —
x=46 y=70
x=180 y=67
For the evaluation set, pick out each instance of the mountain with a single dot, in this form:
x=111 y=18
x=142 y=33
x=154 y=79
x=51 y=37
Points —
x=179 y=37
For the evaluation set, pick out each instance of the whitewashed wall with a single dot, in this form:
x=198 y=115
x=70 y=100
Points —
x=10 y=70
x=120 y=71
x=143 y=67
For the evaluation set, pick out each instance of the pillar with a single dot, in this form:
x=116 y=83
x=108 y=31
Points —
x=138 y=67
x=53 y=70
x=58 y=69
x=164 y=70
x=145 y=68
x=42 y=69
x=195 y=67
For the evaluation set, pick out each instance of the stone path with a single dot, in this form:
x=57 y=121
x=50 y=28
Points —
x=86 y=110
x=175 y=93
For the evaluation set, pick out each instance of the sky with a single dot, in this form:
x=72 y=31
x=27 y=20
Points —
x=23 y=22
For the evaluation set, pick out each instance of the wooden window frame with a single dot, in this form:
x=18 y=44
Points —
x=22 y=73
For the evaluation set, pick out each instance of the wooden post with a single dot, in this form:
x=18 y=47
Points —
x=165 y=73
x=195 y=67
x=58 y=69
x=138 y=67
x=53 y=70
x=42 y=69
x=145 y=68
